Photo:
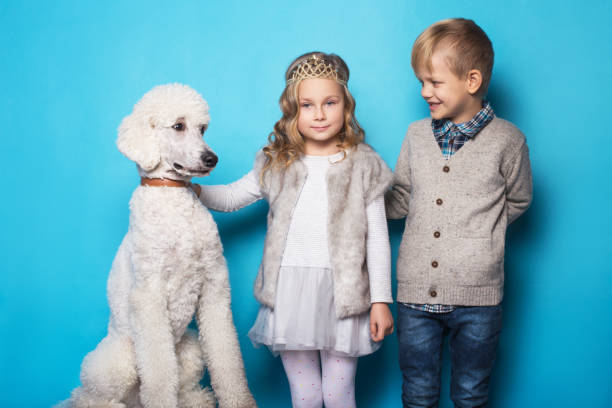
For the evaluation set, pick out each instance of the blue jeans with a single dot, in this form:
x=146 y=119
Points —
x=474 y=334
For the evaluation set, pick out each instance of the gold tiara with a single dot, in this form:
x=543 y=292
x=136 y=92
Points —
x=314 y=67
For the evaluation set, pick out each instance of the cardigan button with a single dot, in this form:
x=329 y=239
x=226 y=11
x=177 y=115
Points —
x=434 y=264
x=446 y=169
x=439 y=201
x=433 y=293
x=437 y=234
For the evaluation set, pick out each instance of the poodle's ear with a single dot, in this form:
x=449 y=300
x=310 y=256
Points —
x=137 y=141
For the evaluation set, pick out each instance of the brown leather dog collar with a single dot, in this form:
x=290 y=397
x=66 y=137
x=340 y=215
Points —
x=161 y=182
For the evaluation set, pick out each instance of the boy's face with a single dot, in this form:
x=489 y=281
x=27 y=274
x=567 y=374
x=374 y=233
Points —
x=448 y=95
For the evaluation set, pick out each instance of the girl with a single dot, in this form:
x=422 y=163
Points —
x=323 y=301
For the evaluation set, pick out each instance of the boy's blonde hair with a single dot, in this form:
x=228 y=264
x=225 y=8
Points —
x=285 y=143
x=470 y=48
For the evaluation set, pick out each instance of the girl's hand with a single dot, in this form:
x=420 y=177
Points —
x=196 y=188
x=381 y=321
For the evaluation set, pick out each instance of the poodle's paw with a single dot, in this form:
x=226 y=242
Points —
x=197 y=398
x=239 y=401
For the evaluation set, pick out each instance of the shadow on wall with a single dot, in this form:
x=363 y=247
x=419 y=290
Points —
x=521 y=239
x=501 y=97
x=246 y=221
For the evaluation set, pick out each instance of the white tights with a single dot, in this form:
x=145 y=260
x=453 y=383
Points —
x=311 y=386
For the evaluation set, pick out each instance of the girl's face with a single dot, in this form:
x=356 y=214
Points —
x=321 y=115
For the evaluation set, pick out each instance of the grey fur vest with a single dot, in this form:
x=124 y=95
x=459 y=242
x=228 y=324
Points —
x=352 y=184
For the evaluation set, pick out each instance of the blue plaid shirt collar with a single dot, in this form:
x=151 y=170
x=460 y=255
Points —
x=470 y=128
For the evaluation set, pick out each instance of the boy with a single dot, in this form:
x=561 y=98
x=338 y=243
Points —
x=461 y=178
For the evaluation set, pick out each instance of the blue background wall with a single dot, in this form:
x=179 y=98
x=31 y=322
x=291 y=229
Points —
x=70 y=71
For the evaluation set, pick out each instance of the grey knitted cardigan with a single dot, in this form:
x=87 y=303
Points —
x=457 y=211
x=352 y=184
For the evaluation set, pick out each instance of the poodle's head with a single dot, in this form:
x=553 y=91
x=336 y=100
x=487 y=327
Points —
x=164 y=134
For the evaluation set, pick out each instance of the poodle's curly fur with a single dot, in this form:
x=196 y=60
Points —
x=169 y=267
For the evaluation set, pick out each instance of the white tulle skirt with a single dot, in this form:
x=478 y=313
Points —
x=304 y=317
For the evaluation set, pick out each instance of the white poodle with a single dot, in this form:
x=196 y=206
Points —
x=169 y=267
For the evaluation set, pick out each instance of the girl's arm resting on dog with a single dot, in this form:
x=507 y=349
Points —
x=378 y=252
x=233 y=196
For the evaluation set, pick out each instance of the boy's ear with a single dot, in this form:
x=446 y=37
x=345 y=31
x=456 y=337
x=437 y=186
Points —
x=473 y=81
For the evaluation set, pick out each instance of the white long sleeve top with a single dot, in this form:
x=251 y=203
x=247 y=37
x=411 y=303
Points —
x=307 y=243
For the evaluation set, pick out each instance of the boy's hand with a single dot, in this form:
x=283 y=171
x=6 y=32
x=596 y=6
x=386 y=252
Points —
x=381 y=321
x=196 y=188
